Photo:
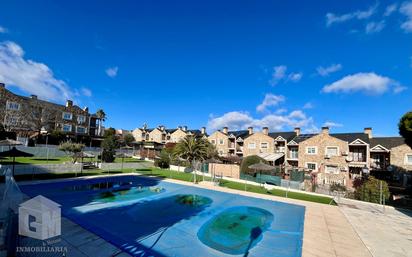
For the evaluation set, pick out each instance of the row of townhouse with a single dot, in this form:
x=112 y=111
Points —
x=336 y=157
x=29 y=115
x=161 y=135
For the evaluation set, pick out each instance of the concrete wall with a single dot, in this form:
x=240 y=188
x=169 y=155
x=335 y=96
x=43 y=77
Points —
x=43 y=168
x=181 y=168
x=226 y=170
x=398 y=156
x=126 y=165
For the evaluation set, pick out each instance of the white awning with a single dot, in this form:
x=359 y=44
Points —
x=271 y=157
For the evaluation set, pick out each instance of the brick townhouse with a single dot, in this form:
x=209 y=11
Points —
x=334 y=157
x=27 y=116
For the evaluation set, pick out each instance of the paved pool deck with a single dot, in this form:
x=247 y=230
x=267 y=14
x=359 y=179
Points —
x=328 y=230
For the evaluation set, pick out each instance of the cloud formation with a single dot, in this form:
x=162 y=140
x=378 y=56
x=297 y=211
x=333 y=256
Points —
x=374 y=27
x=238 y=120
x=332 y=18
x=3 y=29
x=30 y=76
x=86 y=92
x=112 y=71
x=332 y=124
x=325 y=71
x=280 y=74
x=406 y=9
x=390 y=9
x=369 y=83
x=270 y=100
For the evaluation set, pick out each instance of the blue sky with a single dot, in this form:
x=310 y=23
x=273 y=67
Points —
x=280 y=64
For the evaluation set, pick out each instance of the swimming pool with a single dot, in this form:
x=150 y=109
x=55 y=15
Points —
x=150 y=217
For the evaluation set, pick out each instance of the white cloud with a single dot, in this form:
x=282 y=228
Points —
x=406 y=9
x=332 y=18
x=308 y=105
x=270 y=100
x=374 y=27
x=369 y=83
x=295 y=77
x=3 y=29
x=30 y=76
x=86 y=92
x=234 y=120
x=325 y=71
x=280 y=73
x=112 y=71
x=332 y=124
x=390 y=9
x=281 y=110
x=275 y=122
x=398 y=89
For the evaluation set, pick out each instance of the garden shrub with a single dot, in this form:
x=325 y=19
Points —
x=249 y=160
x=369 y=190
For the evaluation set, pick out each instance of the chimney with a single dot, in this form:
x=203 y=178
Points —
x=203 y=130
x=225 y=130
x=250 y=129
x=33 y=97
x=368 y=131
x=325 y=130
x=86 y=109
x=162 y=128
x=69 y=103
x=265 y=130
x=184 y=128
x=297 y=131
x=179 y=127
x=2 y=85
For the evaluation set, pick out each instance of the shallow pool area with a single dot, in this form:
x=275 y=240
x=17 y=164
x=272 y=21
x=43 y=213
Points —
x=150 y=217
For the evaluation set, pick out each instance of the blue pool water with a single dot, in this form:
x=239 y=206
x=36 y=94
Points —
x=150 y=217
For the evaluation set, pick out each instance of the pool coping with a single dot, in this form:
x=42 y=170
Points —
x=326 y=232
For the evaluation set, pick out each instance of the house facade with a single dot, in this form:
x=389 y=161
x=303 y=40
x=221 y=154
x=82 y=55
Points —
x=161 y=135
x=29 y=115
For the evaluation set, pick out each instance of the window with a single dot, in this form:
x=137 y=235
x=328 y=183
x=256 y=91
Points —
x=264 y=145
x=332 y=150
x=81 y=130
x=221 y=141
x=331 y=169
x=408 y=159
x=213 y=141
x=13 y=106
x=81 y=119
x=311 y=165
x=311 y=150
x=251 y=146
x=11 y=121
x=67 y=128
x=294 y=153
x=67 y=116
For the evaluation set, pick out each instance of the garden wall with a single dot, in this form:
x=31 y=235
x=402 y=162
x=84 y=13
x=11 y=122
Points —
x=126 y=165
x=225 y=170
x=21 y=169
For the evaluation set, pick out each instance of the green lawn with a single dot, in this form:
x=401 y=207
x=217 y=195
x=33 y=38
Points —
x=35 y=160
x=236 y=185
x=56 y=160
x=119 y=160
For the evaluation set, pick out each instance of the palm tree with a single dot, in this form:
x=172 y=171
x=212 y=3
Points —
x=101 y=115
x=192 y=149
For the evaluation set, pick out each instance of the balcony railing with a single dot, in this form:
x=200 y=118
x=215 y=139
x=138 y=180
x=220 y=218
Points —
x=356 y=157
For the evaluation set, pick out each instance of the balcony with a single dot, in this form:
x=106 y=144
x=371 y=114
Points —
x=232 y=146
x=356 y=157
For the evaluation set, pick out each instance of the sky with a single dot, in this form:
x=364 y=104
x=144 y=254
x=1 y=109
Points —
x=280 y=64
